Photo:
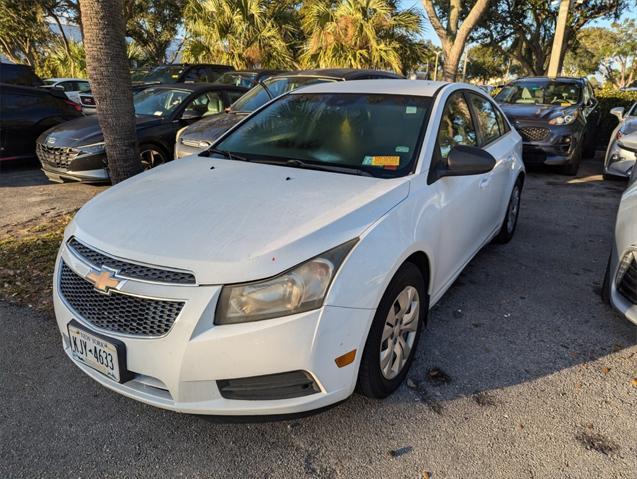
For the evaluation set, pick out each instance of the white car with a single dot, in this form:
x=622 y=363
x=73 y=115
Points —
x=619 y=162
x=72 y=87
x=295 y=261
x=620 y=282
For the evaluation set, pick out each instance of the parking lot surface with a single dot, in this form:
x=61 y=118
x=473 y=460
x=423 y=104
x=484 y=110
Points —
x=522 y=373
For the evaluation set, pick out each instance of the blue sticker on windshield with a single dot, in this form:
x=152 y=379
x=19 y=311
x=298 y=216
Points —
x=402 y=149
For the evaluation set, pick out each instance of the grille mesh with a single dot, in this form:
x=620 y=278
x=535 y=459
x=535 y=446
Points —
x=533 y=133
x=56 y=157
x=628 y=285
x=130 y=270
x=117 y=312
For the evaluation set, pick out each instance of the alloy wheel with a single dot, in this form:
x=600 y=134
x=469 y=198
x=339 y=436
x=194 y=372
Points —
x=399 y=333
x=514 y=208
x=151 y=158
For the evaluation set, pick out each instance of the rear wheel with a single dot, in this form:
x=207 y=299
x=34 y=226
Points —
x=393 y=336
x=511 y=218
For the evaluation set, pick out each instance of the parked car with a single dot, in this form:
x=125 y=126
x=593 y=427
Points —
x=25 y=113
x=15 y=74
x=196 y=138
x=87 y=102
x=296 y=260
x=620 y=282
x=74 y=151
x=72 y=87
x=619 y=162
x=556 y=117
x=248 y=78
x=182 y=73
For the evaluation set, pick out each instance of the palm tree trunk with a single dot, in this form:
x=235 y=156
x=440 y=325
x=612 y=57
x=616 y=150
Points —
x=109 y=73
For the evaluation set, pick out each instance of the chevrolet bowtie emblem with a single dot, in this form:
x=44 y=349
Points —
x=103 y=280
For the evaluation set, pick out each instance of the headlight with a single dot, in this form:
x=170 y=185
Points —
x=93 y=149
x=196 y=143
x=565 y=118
x=625 y=263
x=297 y=290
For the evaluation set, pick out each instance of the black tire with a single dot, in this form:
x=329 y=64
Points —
x=507 y=230
x=572 y=168
x=590 y=146
x=605 y=293
x=372 y=382
x=159 y=150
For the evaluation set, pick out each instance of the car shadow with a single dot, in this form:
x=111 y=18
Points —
x=22 y=173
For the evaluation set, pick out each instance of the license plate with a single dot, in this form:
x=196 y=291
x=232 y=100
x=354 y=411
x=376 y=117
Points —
x=103 y=354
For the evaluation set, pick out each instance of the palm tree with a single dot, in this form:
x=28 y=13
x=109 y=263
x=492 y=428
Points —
x=359 y=34
x=242 y=33
x=109 y=73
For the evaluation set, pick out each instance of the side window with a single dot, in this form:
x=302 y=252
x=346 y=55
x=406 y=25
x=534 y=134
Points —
x=212 y=75
x=234 y=96
x=486 y=118
x=204 y=105
x=504 y=125
x=196 y=74
x=83 y=86
x=456 y=126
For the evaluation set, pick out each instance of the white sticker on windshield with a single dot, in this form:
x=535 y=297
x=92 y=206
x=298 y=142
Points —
x=411 y=110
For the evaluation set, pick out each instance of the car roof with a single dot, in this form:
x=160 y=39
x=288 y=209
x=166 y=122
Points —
x=13 y=88
x=65 y=79
x=558 y=79
x=195 y=86
x=338 y=73
x=381 y=87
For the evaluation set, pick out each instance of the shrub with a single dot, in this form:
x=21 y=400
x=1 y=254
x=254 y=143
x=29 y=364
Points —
x=608 y=99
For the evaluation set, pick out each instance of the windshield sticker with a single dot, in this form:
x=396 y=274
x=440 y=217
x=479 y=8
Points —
x=410 y=110
x=402 y=149
x=383 y=161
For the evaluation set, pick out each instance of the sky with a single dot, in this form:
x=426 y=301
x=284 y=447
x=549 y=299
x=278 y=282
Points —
x=429 y=33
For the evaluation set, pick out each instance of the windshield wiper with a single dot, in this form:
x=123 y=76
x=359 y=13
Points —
x=226 y=154
x=294 y=163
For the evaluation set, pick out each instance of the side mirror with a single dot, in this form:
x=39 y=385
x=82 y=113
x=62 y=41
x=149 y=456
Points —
x=618 y=111
x=464 y=160
x=628 y=142
x=190 y=115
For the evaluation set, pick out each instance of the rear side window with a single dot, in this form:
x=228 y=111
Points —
x=486 y=118
x=456 y=126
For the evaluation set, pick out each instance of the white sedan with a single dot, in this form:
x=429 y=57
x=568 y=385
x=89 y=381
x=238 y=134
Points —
x=620 y=282
x=295 y=260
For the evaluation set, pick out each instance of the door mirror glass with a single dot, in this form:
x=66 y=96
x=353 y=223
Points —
x=618 y=111
x=464 y=160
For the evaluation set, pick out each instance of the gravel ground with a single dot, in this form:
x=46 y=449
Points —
x=522 y=373
x=26 y=195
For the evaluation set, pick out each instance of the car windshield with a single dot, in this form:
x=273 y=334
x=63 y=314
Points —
x=243 y=79
x=541 y=93
x=165 y=74
x=276 y=86
x=379 y=134
x=158 y=101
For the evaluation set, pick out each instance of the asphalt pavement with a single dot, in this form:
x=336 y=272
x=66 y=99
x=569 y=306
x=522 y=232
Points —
x=523 y=373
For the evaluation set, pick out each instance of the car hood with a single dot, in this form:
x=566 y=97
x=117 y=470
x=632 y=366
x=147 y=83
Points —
x=234 y=223
x=85 y=130
x=212 y=127
x=532 y=112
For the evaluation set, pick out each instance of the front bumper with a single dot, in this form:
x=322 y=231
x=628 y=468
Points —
x=59 y=175
x=620 y=302
x=68 y=164
x=179 y=371
x=557 y=148
x=619 y=162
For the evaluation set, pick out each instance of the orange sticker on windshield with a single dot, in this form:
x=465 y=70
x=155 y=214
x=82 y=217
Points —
x=385 y=160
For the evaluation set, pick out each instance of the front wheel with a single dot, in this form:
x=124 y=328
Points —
x=152 y=156
x=511 y=218
x=393 y=336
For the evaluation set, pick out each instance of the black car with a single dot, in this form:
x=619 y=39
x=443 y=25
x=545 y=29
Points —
x=247 y=78
x=200 y=136
x=556 y=117
x=16 y=74
x=74 y=151
x=181 y=73
x=25 y=112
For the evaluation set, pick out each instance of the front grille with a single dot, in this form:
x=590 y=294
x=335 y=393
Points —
x=628 y=284
x=56 y=157
x=130 y=270
x=533 y=133
x=117 y=312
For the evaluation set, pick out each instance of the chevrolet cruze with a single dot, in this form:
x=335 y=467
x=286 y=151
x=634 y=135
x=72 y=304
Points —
x=297 y=258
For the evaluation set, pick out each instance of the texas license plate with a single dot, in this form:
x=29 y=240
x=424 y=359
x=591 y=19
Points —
x=96 y=351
